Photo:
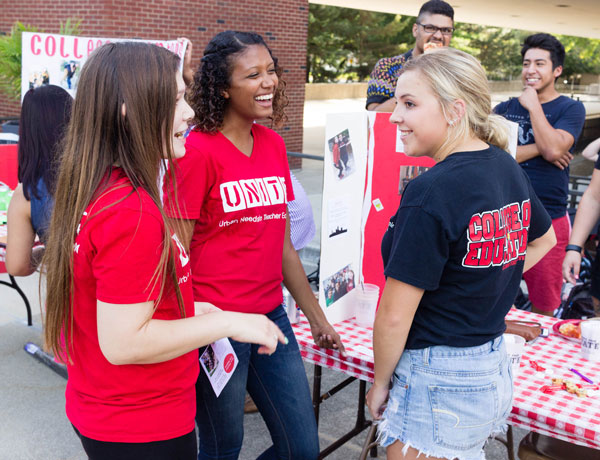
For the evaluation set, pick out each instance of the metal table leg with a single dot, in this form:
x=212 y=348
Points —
x=361 y=422
x=317 y=391
x=370 y=444
x=508 y=443
x=13 y=284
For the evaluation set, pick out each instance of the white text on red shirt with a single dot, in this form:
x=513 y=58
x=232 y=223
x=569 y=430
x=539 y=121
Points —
x=250 y=193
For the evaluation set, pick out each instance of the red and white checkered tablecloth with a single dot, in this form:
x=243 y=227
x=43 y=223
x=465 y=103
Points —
x=561 y=415
x=357 y=340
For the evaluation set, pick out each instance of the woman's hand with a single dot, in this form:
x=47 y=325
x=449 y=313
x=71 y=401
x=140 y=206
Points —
x=188 y=72
x=325 y=336
x=376 y=399
x=259 y=329
x=571 y=265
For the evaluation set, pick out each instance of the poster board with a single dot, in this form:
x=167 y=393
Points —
x=344 y=177
x=359 y=200
x=391 y=170
x=54 y=59
x=364 y=174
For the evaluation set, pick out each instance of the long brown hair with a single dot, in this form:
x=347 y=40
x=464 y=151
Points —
x=122 y=115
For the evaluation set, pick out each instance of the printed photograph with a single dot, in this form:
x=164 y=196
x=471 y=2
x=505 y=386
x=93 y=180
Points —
x=408 y=173
x=338 y=285
x=209 y=360
x=70 y=74
x=342 y=155
x=39 y=78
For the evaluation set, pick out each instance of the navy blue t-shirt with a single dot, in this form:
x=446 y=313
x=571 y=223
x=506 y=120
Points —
x=460 y=234
x=549 y=182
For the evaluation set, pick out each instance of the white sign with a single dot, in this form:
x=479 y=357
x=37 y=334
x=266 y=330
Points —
x=345 y=170
x=53 y=59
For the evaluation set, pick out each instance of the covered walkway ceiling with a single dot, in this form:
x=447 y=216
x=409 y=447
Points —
x=567 y=17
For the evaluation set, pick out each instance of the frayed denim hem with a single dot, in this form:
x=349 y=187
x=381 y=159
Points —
x=385 y=438
x=500 y=428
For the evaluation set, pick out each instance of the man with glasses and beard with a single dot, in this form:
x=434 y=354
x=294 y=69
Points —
x=434 y=28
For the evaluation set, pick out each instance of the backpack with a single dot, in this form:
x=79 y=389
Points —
x=578 y=304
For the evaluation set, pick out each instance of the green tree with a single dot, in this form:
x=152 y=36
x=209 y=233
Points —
x=582 y=55
x=10 y=60
x=497 y=49
x=345 y=43
x=10 y=54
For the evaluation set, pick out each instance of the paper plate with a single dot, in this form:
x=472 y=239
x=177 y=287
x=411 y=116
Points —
x=556 y=329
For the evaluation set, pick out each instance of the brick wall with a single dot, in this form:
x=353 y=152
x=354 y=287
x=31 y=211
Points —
x=283 y=24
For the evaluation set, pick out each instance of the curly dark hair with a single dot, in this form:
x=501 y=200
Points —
x=213 y=77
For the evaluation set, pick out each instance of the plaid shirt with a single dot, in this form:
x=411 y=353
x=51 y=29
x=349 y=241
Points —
x=302 y=224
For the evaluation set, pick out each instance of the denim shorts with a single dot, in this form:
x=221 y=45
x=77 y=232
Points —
x=446 y=401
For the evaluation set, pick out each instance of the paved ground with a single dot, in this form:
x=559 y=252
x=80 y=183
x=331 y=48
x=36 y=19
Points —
x=34 y=425
x=32 y=419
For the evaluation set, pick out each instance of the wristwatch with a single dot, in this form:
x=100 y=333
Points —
x=573 y=247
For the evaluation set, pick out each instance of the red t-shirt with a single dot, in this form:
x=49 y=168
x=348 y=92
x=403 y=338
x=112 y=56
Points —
x=115 y=255
x=336 y=153
x=239 y=204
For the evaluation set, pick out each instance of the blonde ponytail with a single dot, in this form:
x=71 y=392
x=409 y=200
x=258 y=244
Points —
x=497 y=132
x=453 y=75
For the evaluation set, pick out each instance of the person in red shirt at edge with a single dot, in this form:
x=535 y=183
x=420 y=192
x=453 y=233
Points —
x=119 y=281
x=233 y=185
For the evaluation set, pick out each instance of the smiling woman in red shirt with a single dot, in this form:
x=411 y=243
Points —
x=233 y=187
x=119 y=281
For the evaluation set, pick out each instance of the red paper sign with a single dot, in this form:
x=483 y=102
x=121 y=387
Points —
x=391 y=171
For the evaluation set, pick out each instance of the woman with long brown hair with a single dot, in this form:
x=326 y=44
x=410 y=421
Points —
x=119 y=281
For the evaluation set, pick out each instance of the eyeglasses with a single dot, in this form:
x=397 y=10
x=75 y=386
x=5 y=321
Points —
x=431 y=29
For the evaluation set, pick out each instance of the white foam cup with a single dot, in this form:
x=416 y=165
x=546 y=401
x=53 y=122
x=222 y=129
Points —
x=366 y=298
x=290 y=306
x=515 y=344
x=590 y=340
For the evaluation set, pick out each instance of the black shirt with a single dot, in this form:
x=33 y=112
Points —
x=460 y=234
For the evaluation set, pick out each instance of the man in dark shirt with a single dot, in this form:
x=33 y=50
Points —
x=434 y=27
x=549 y=125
